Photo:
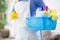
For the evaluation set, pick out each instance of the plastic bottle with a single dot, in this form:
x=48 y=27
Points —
x=40 y=12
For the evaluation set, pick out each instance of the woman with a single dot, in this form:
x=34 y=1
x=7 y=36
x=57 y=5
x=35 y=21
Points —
x=22 y=8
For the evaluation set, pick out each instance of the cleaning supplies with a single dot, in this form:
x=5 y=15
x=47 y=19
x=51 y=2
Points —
x=46 y=11
x=51 y=13
x=13 y=15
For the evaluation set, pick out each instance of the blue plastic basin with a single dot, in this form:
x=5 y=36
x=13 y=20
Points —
x=41 y=23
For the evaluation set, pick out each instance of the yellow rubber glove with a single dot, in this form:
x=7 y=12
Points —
x=13 y=16
x=53 y=14
x=54 y=17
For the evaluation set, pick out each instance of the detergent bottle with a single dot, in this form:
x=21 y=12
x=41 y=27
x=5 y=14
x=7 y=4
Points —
x=47 y=11
x=40 y=12
x=34 y=5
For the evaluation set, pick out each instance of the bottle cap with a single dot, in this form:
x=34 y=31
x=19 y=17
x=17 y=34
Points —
x=46 y=8
x=42 y=8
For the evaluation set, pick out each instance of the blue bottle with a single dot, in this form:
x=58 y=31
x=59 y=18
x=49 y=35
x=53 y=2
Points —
x=34 y=4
